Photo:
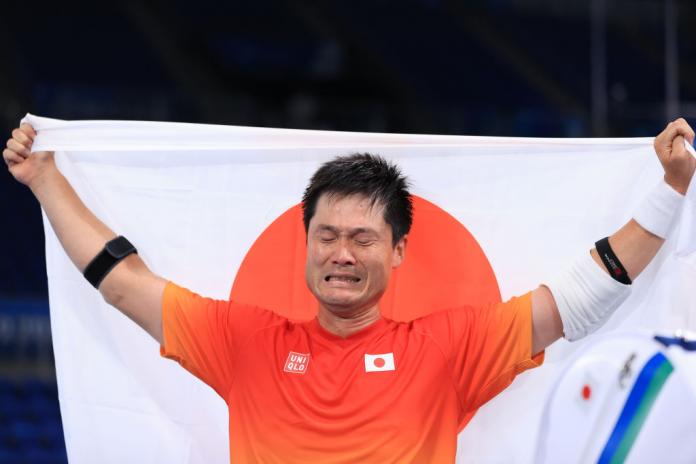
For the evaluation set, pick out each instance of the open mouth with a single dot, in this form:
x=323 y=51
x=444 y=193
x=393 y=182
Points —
x=342 y=278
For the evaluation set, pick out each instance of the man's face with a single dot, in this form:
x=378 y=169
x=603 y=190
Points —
x=350 y=253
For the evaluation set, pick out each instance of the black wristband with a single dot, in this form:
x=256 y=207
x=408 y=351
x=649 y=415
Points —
x=611 y=262
x=112 y=253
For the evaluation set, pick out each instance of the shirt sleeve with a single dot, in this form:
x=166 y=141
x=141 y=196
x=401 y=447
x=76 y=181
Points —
x=204 y=335
x=486 y=347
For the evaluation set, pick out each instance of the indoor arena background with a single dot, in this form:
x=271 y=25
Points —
x=538 y=68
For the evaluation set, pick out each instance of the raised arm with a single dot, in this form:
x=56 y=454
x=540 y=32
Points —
x=130 y=286
x=633 y=244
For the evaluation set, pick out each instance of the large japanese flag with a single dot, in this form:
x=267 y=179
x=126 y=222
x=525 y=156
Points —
x=214 y=208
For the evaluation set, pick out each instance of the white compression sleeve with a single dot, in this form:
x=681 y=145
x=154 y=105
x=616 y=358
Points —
x=586 y=297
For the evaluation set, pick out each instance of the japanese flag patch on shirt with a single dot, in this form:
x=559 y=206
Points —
x=379 y=362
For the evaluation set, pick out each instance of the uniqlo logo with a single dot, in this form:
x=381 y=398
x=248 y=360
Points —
x=297 y=363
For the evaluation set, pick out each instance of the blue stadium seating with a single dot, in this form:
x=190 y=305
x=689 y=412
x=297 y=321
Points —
x=30 y=425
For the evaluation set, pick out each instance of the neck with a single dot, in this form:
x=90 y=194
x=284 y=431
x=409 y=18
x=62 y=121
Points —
x=345 y=325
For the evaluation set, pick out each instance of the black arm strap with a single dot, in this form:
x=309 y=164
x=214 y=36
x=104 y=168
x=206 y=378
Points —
x=611 y=262
x=113 y=253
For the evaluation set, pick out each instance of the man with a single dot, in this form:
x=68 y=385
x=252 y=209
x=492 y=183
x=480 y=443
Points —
x=351 y=386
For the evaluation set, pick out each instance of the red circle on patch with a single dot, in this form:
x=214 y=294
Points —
x=444 y=268
x=379 y=362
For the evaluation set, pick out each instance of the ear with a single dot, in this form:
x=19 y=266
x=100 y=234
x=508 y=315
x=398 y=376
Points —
x=399 y=252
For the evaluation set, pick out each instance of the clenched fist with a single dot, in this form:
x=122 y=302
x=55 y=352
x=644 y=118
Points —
x=678 y=163
x=25 y=166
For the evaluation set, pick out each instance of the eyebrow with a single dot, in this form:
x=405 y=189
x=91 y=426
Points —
x=351 y=232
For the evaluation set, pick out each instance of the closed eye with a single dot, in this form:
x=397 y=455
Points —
x=365 y=241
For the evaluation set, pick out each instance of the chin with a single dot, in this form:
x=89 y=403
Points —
x=338 y=305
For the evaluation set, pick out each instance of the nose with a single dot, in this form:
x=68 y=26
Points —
x=342 y=255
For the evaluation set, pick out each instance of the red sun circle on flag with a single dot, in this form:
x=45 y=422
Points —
x=379 y=362
x=444 y=268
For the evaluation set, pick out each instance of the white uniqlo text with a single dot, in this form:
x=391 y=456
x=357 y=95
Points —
x=297 y=363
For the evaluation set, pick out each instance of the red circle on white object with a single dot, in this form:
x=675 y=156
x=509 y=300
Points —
x=586 y=392
x=444 y=268
x=379 y=362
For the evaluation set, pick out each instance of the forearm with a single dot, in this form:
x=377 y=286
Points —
x=634 y=246
x=130 y=286
x=79 y=231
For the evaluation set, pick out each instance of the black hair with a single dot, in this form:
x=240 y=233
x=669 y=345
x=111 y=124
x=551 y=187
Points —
x=363 y=174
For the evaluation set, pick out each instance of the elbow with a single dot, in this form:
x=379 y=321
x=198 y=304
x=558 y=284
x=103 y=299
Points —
x=122 y=277
x=111 y=294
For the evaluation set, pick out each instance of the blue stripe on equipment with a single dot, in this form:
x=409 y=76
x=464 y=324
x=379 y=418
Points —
x=641 y=398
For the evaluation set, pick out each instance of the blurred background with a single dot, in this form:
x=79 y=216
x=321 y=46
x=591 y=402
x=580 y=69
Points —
x=538 y=68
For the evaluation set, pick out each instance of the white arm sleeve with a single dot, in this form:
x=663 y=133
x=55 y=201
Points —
x=586 y=297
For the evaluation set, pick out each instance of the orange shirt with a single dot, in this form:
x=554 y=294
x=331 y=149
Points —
x=393 y=392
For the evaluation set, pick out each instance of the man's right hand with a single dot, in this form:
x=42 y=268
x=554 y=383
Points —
x=24 y=165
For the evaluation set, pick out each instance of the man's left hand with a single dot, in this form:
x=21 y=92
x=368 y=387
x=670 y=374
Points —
x=678 y=163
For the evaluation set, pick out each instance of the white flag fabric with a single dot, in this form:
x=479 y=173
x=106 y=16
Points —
x=194 y=199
